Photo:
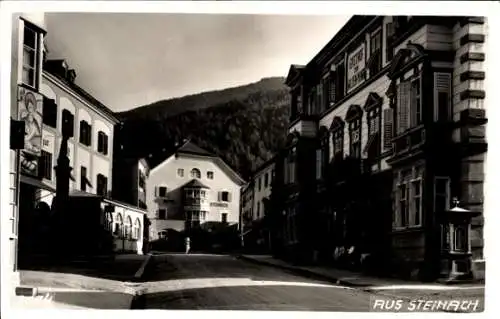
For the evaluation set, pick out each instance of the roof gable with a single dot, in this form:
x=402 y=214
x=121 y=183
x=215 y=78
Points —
x=190 y=148
x=293 y=72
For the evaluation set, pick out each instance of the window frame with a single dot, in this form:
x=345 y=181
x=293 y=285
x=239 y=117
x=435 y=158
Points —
x=102 y=180
x=162 y=213
x=68 y=118
x=85 y=137
x=83 y=182
x=102 y=143
x=46 y=167
x=375 y=65
x=355 y=126
x=36 y=50
x=180 y=172
x=160 y=188
x=210 y=175
x=195 y=173
x=50 y=115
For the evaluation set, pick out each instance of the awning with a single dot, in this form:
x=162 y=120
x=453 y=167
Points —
x=37 y=183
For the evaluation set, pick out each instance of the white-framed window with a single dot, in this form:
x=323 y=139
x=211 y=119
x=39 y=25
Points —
x=224 y=196
x=195 y=173
x=408 y=198
x=409 y=104
x=210 y=175
x=180 y=172
x=102 y=143
x=162 y=191
x=32 y=50
x=85 y=133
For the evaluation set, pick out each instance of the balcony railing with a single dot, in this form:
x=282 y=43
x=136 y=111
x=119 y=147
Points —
x=409 y=140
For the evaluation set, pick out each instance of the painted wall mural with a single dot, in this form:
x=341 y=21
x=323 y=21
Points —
x=30 y=108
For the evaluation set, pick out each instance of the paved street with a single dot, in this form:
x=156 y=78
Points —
x=223 y=282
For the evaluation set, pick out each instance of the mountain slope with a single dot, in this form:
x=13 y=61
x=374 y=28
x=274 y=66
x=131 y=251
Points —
x=170 y=107
x=245 y=125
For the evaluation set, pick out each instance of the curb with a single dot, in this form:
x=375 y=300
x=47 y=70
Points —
x=140 y=272
x=308 y=273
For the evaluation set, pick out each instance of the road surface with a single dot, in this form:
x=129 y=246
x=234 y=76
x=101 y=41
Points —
x=219 y=282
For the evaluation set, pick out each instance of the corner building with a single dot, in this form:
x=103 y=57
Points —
x=391 y=116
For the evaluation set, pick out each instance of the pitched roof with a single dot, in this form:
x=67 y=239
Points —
x=195 y=183
x=190 y=148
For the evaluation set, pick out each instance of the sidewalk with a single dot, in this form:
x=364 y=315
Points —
x=82 y=285
x=383 y=286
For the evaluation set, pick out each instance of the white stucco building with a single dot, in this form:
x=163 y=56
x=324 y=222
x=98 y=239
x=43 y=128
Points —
x=190 y=188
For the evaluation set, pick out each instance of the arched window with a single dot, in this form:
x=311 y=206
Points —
x=128 y=227
x=195 y=173
x=119 y=225
x=137 y=229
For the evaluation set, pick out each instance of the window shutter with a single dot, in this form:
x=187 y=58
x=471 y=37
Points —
x=229 y=196
x=156 y=191
x=219 y=196
x=442 y=85
x=403 y=105
x=105 y=144
x=388 y=128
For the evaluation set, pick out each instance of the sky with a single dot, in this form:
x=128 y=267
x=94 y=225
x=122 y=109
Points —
x=127 y=60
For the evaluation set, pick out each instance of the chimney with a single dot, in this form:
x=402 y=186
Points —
x=71 y=75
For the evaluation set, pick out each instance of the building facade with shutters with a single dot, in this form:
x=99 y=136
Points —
x=48 y=103
x=391 y=116
x=192 y=189
x=255 y=198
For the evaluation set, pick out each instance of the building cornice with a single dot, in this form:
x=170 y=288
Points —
x=63 y=86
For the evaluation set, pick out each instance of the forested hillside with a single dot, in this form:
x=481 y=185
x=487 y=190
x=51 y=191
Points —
x=244 y=125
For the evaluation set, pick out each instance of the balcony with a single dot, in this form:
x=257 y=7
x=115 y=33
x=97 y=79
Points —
x=409 y=143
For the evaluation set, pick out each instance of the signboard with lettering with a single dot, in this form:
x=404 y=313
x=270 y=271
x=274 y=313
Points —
x=356 y=68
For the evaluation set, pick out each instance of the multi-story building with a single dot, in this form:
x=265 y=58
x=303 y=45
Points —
x=191 y=189
x=256 y=193
x=387 y=126
x=49 y=103
x=27 y=50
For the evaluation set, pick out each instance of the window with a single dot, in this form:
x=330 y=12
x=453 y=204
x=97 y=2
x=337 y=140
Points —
x=416 y=104
x=409 y=105
x=85 y=133
x=224 y=218
x=441 y=194
x=210 y=175
x=180 y=172
x=46 y=165
x=326 y=93
x=373 y=144
x=442 y=97
x=409 y=208
x=290 y=167
x=375 y=61
x=389 y=32
x=102 y=143
x=416 y=209
x=162 y=213
x=332 y=88
x=340 y=73
x=388 y=128
x=291 y=225
x=259 y=183
x=162 y=191
x=102 y=185
x=355 y=138
x=195 y=173
x=338 y=143
x=31 y=52
x=68 y=122
x=266 y=180
x=83 y=178
x=137 y=229
x=224 y=196
x=258 y=209
x=49 y=112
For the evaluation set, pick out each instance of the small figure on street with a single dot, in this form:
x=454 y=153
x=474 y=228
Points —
x=187 y=244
